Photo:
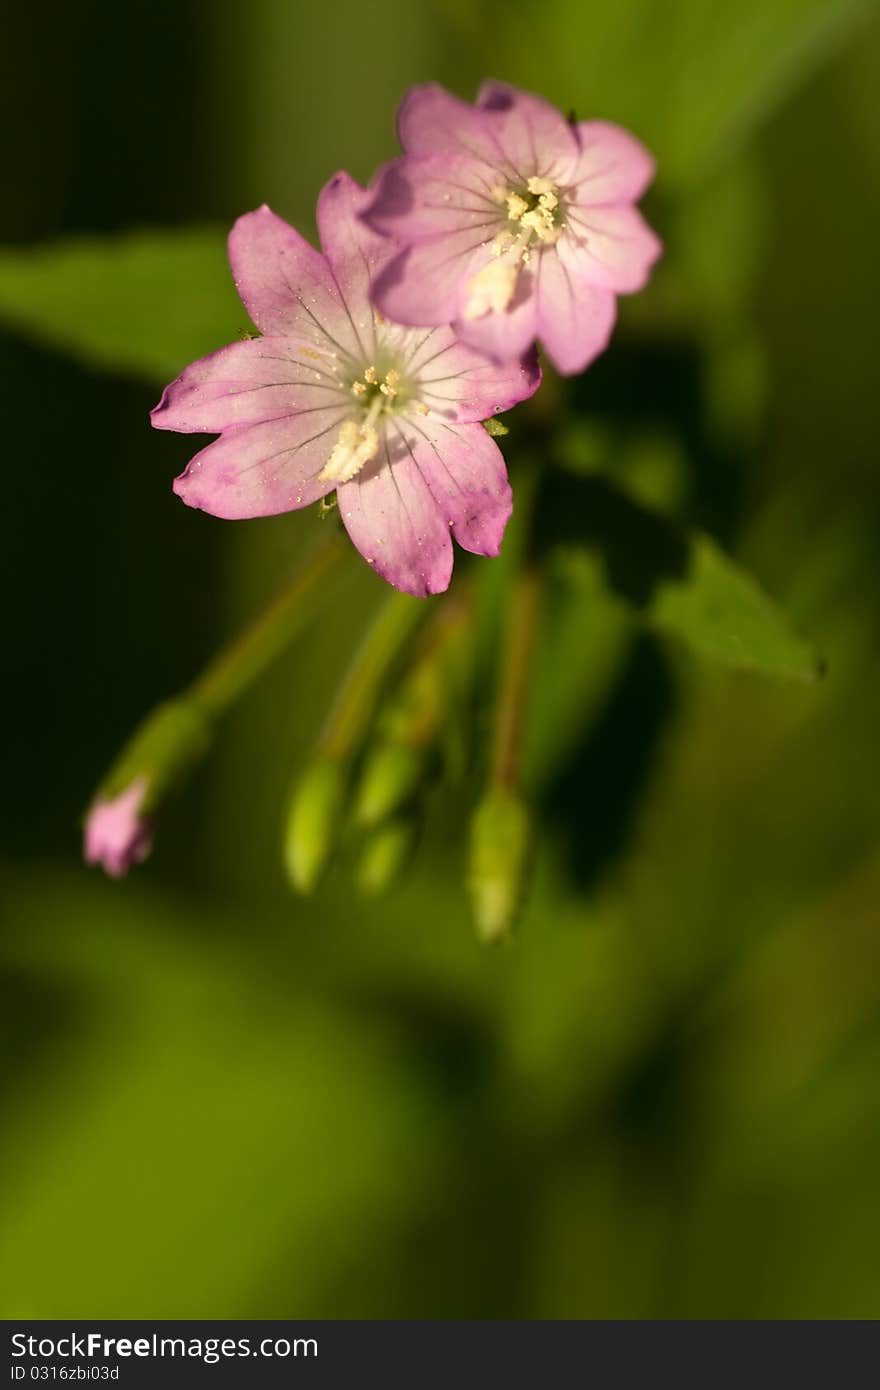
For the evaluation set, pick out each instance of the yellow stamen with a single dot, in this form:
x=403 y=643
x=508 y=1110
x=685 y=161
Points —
x=389 y=386
x=494 y=285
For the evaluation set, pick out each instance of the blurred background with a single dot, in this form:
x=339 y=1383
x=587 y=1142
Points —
x=661 y=1099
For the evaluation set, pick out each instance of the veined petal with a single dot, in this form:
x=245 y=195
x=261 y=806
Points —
x=613 y=166
x=264 y=469
x=505 y=336
x=286 y=285
x=431 y=120
x=392 y=517
x=248 y=382
x=535 y=137
x=457 y=383
x=611 y=246
x=423 y=196
x=424 y=285
x=464 y=470
x=355 y=253
x=574 y=317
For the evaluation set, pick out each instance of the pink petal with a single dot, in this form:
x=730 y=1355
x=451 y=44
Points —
x=393 y=519
x=355 y=254
x=244 y=384
x=419 y=197
x=457 y=383
x=264 y=469
x=464 y=469
x=424 y=285
x=613 y=167
x=574 y=317
x=611 y=246
x=286 y=285
x=505 y=337
x=535 y=137
x=431 y=120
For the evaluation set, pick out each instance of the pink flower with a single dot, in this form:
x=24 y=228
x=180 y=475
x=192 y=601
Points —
x=116 y=834
x=512 y=223
x=335 y=397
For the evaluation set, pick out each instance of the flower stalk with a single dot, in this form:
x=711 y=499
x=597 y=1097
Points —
x=244 y=660
x=501 y=829
x=177 y=733
x=316 y=809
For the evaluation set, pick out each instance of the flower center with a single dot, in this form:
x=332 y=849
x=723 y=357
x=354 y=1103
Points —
x=534 y=211
x=358 y=439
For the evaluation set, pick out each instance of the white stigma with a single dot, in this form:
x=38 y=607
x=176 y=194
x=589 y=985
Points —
x=356 y=445
x=492 y=289
x=358 y=442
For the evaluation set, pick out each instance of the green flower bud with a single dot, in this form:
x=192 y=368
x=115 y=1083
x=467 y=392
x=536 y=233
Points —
x=391 y=776
x=314 y=819
x=385 y=856
x=499 y=855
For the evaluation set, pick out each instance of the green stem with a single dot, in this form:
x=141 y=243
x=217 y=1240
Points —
x=361 y=687
x=248 y=655
x=510 y=709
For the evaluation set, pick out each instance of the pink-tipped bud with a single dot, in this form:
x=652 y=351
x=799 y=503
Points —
x=116 y=835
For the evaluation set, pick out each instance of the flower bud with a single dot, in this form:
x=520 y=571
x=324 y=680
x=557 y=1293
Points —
x=116 y=834
x=155 y=761
x=391 y=776
x=500 y=848
x=384 y=856
x=314 y=819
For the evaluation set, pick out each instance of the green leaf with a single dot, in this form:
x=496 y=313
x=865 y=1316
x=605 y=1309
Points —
x=142 y=304
x=692 y=78
x=721 y=613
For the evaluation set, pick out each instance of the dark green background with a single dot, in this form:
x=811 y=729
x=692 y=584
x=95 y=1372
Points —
x=662 y=1100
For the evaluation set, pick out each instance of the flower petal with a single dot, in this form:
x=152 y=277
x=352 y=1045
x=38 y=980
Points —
x=423 y=196
x=354 y=252
x=611 y=246
x=535 y=137
x=286 y=285
x=424 y=285
x=264 y=469
x=464 y=469
x=613 y=167
x=431 y=120
x=574 y=317
x=457 y=383
x=505 y=336
x=245 y=383
x=393 y=519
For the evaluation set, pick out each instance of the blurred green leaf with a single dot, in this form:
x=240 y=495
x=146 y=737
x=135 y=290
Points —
x=720 y=612
x=692 y=78
x=144 y=304
x=197 y=1135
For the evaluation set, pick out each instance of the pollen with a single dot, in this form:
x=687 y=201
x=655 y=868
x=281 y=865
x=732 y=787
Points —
x=535 y=210
x=359 y=439
x=388 y=387
x=516 y=206
x=533 y=218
